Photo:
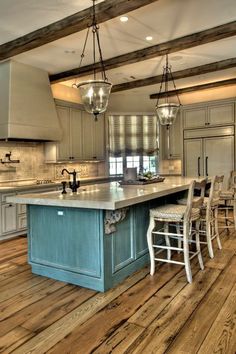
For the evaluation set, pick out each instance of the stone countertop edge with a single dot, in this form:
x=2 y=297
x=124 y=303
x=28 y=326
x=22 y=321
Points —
x=108 y=196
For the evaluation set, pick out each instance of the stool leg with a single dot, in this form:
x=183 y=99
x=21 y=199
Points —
x=186 y=252
x=198 y=245
x=178 y=232
x=208 y=237
x=150 y=245
x=167 y=239
x=216 y=228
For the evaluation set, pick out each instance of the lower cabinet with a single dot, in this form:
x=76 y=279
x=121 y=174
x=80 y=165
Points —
x=13 y=218
x=9 y=218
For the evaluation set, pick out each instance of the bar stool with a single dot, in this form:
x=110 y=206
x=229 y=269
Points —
x=174 y=214
x=227 y=204
x=209 y=215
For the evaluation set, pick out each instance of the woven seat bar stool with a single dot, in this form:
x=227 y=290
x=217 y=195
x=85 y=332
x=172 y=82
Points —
x=227 y=204
x=174 y=214
x=209 y=215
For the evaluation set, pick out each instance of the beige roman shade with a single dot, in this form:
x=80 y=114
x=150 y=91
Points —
x=133 y=135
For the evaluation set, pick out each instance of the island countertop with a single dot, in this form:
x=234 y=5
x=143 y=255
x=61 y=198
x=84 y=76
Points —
x=108 y=196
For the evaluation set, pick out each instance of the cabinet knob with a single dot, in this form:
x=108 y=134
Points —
x=94 y=157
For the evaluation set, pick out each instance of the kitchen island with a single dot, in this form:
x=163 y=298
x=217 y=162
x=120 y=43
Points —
x=96 y=237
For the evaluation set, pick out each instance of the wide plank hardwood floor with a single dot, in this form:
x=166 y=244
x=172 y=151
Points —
x=144 y=314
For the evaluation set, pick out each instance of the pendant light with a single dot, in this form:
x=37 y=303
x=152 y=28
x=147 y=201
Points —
x=94 y=93
x=167 y=111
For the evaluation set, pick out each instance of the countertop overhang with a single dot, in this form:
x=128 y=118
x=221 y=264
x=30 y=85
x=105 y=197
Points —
x=108 y=196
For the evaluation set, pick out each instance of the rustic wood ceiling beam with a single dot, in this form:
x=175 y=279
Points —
x=175 y=45
x=79 y=21
x=181 y=74
x=195 y=88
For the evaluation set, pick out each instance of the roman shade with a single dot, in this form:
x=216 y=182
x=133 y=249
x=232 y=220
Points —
x=132 y=135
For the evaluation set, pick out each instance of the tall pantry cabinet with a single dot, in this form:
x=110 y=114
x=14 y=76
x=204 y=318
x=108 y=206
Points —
x=209 y=139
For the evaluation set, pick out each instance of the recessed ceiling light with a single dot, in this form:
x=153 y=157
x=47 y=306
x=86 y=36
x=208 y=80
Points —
x=124 y=18
x=149 y=38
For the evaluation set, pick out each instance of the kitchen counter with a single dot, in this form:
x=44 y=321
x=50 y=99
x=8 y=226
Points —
x=32 y=184
x=108 y=196
x=97 y=237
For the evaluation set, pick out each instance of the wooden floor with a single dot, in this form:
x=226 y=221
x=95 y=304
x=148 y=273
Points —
x=160 y=314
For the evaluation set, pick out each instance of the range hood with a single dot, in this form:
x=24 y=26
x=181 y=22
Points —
x=27 y=108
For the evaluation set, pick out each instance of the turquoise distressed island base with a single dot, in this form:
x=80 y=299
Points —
x=70 y=244
x=95 y=237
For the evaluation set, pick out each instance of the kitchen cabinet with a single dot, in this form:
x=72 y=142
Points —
x=171 y=138
x=83 y=137
x=9 y=218
x=93 y=137
x=70 y=146
x=209 y=155
x=210 y=114
x=13 y=218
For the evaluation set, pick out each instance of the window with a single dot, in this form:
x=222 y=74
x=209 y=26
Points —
x=115 y=166
x=133 y=142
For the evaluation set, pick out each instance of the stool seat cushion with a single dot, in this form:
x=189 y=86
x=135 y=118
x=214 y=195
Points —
x=228 y=195
x=173 y=212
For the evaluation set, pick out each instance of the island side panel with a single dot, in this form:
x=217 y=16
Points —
x=67 y=244
x=127 y=249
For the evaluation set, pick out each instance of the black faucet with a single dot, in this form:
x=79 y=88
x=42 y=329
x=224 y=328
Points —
x=75 y=184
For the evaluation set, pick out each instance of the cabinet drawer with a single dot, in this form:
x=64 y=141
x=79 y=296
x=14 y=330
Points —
x=5 y=195
x=21 y=222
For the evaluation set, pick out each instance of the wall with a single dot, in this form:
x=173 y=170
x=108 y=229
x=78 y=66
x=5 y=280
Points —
x=32 y=166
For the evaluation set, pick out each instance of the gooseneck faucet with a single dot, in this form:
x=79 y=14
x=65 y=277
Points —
x=74 y=185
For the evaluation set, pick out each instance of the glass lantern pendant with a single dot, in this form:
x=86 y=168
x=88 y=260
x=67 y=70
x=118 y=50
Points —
x=95 y=93
x=167 y=111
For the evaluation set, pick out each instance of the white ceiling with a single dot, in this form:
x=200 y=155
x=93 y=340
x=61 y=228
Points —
x=164 y=20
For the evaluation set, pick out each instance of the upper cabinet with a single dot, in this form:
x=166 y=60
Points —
x=83 y=138
x=93 y=131
x=171 y=140
x=209 y=114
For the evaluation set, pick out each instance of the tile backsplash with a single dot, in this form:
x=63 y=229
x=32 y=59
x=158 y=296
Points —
x=32 y=165
x=170 y=167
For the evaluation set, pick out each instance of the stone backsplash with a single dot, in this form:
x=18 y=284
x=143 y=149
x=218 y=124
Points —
x=32 y=166
x=170 y=167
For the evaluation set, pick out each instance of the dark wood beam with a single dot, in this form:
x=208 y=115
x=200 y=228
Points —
x=79 y=21
x=197 y=70
x=195 y=88
x=175 y=45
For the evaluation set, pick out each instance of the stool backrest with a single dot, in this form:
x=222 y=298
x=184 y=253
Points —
x=232 y=181
x=200 y=186
x=188 y=210
x=215 y=190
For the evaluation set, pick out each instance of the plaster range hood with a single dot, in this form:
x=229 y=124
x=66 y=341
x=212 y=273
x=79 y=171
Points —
x=27 y=108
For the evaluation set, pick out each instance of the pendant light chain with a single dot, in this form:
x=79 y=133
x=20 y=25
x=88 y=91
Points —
x=95 y=93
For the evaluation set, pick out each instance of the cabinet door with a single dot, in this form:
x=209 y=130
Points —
x=99 y=138
x=195 y=117
x=9 y=218
x=88 y=135
x=64 y=148
x=219 y=156
x=193 y=162
x=221 y=114
x=76 y=133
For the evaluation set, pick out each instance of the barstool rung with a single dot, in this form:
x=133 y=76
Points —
x=168 y=261
x=172 y=248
